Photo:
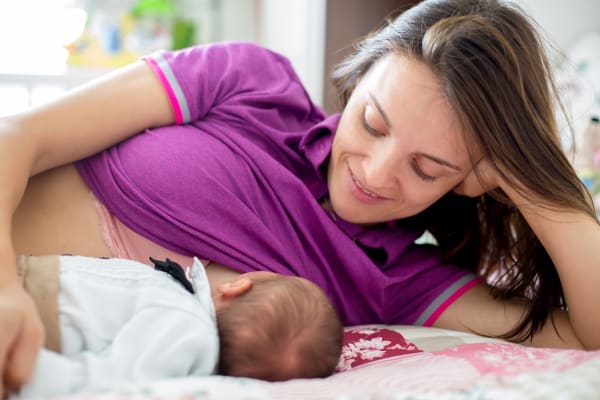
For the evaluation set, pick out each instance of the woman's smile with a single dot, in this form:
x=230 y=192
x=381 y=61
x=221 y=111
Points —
x=360 y=191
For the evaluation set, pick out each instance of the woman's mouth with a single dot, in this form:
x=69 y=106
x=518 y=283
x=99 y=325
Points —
x=360 y=191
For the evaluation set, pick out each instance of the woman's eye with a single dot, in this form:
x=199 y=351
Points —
x=372 y=131
x=419 y=172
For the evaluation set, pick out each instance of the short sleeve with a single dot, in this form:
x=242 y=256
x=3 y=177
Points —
x=421 y=286
x=199 y=78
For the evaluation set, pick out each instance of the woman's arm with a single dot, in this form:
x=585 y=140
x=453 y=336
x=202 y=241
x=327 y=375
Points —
x=90 y=118
x=572 y=240
x=478 y=312
x=84 y=121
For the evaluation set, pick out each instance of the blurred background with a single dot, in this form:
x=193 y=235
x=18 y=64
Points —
x=49 y=46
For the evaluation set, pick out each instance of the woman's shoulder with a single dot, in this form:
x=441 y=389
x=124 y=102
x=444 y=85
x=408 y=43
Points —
x=245 y=47
x=201 y=77
x=230 y=54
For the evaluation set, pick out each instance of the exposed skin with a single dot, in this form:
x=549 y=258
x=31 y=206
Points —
x=83 y=122
x=397 y=150
x=236 y=286
x=411 y=152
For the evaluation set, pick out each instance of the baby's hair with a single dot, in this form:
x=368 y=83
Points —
x=284 y=327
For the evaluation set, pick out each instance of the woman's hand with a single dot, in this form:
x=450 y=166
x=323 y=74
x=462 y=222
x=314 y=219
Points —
x=481 y=179
x=21 y=336
x=571 y=239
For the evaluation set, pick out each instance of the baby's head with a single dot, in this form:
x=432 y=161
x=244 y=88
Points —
x=276 y=327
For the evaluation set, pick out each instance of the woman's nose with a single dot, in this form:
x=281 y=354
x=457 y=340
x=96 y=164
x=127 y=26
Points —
x=381 y=168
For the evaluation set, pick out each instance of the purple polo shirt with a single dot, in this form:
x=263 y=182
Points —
x=238 y=181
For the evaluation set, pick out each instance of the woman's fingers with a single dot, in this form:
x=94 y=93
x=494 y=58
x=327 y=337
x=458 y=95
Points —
x=7 y=335
x=21 y=359
x=21 y=336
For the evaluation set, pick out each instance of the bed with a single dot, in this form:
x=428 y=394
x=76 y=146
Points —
x=407 y=362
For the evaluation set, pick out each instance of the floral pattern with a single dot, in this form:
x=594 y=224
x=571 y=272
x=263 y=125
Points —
x=366 y=345
x=380 y=363
x=506 y=359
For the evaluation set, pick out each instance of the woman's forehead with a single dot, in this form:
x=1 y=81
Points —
x=411 y=97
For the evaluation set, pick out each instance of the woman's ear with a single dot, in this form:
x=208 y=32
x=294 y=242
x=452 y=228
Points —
x=235 y=287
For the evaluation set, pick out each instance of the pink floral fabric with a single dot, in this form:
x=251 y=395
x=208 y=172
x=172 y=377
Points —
x=506 y=359
x=363 y=346
x=372 y=345
x=407 y=363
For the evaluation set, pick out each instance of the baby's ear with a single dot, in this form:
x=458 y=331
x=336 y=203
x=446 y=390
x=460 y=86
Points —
x=235 y=287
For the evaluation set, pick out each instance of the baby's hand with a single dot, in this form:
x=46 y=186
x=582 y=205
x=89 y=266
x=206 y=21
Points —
x=21 y=336
x=474 y=185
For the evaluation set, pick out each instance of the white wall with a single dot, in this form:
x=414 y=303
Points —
x=297 y=30
x=564 y=20
x=237 y=20
x=294 y=28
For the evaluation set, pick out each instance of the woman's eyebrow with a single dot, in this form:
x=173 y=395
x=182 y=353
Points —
x=386 y=120
x=388 y=124
x=441 y=162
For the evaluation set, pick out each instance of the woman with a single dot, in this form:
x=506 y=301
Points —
x=448 y=125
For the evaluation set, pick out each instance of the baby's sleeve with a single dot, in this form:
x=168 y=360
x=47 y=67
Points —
x=199 y=78
x=157 y=343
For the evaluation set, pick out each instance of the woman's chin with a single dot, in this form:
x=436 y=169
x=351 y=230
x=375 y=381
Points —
x=354 y=215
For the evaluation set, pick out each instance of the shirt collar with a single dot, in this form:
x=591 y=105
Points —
x=316 y=147
x=202 y=287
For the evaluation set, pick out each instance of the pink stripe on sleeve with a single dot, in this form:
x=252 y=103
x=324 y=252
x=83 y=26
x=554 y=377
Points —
x=435 y=315
x=165 y=82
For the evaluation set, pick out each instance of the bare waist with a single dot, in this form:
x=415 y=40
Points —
x=56 y=215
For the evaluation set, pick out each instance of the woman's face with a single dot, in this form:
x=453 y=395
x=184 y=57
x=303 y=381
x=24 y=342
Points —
x=399 y=146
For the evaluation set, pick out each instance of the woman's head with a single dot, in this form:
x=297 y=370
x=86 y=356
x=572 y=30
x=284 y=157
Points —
x=399 y=146
x=444 y=85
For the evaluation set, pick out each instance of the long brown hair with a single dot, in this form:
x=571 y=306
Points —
x=492 y=67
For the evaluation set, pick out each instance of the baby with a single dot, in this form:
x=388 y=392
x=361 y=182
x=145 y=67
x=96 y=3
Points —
x=115 y=321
